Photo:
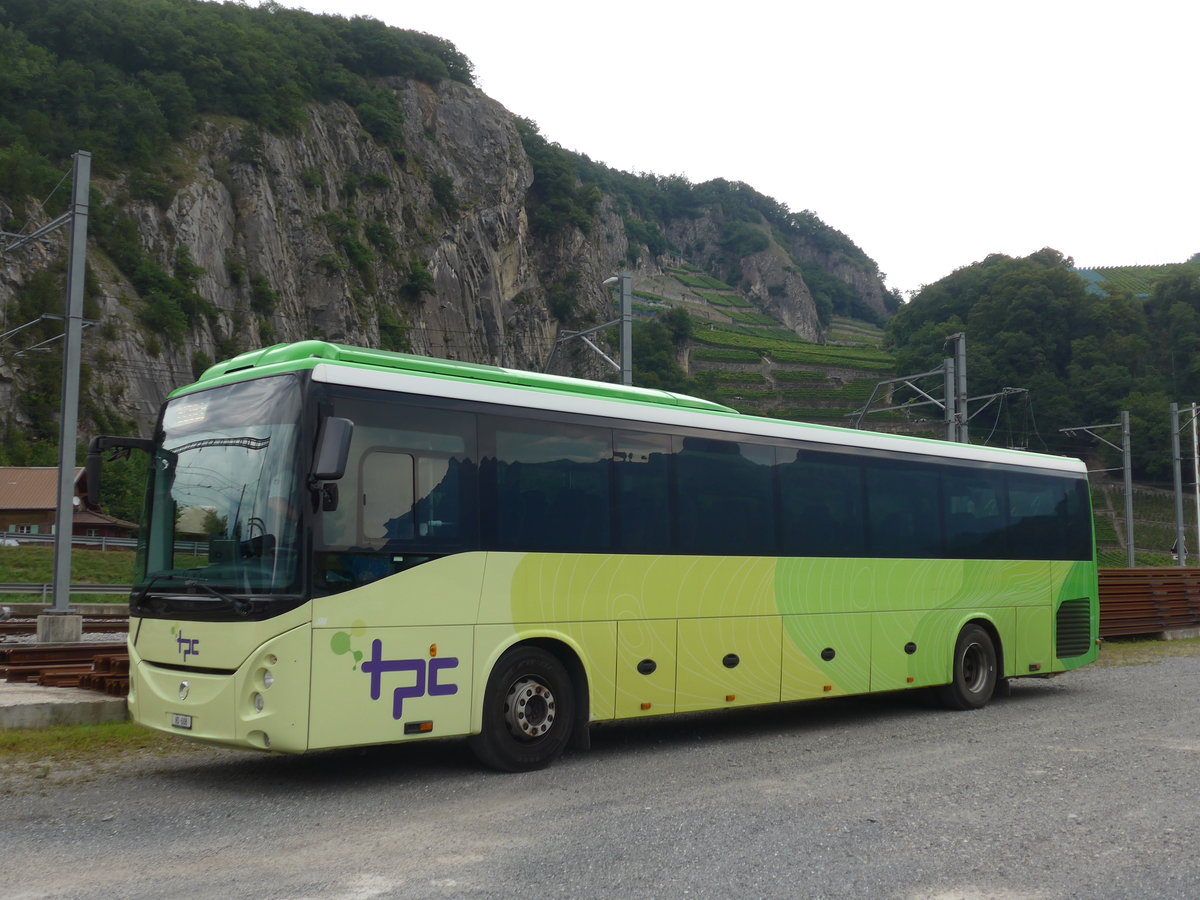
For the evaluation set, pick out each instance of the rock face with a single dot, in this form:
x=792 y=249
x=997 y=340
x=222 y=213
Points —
x=331 y=234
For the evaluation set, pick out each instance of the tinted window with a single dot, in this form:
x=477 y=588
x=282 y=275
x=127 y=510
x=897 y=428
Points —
x=1050 y=517
x=975 y=513
x=725 y=497
x=820 y=504
x=905 y=512
x=552 y=486
x=641 y=468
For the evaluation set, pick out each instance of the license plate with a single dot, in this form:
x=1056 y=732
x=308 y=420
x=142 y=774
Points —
x=181 y=721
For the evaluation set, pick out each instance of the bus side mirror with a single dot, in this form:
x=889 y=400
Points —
x=333 y=449
x=120 y=447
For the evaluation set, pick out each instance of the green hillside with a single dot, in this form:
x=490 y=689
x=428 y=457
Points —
x=1136 y=280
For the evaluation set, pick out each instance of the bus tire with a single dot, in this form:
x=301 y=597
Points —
x=528 y=711
x=973 y=672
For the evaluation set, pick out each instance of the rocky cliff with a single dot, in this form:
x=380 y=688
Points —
x=242 y=237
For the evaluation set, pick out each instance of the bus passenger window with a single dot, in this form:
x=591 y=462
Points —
x=387 y=497
x=643 y=491
x=904 y=510
x=552 y=487
x=975 y=521
x=820 y=504
x=725 y=498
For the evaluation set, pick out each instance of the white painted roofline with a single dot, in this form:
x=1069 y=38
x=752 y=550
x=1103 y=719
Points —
x=533 y=398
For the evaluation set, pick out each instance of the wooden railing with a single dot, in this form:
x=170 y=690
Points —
x=1148 y=600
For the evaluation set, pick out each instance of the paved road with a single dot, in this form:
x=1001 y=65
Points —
x=1082 y=786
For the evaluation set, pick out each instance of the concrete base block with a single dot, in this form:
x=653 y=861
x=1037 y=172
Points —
x=98 y=711
x=59 y=629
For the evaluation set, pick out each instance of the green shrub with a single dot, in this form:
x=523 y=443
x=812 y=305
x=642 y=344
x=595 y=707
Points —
x=443 y=192
x=262 y=297
x=419 y=281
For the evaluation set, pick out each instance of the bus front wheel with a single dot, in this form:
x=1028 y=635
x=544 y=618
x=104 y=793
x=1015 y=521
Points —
x=974 y=671
x=528 y=709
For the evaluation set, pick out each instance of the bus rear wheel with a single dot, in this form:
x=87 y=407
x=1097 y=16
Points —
x=973 y=672
x=528 y=710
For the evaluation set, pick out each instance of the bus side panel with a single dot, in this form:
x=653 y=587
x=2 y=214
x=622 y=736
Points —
x=645 y=668
x=826 y=656
x=912 y=649
x=593 y=643
x=572 y=587
x=1031 y=648
x=440 y=592
x=368 y=684
x=728 y=662
x=1075 y=586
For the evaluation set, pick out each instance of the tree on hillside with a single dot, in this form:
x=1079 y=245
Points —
x=1031 y=323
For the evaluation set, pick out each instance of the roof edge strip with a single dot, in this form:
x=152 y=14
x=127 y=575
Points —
x=428 y=365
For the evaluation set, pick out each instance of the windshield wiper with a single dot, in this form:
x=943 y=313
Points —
x=153 y=580
x=239 y=605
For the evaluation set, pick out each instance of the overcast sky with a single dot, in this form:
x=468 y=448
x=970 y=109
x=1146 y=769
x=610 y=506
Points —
x=931 y=133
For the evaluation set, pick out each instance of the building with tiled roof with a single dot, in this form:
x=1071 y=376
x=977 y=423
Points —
x=29 y=505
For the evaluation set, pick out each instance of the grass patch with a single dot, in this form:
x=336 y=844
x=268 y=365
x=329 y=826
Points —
x=798 y=375
x=84 y=742
x=712 y=354
x=750 y=317
x=647 y=295
x=36 y=758
x=35 y=565
x=1138 y=651
x=725 y=300
x=702 y=282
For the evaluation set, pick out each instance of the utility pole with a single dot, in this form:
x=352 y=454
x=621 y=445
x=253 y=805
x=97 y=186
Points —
x=1196 y=471
x=57 y=624
x=950 y=405
x=1126 y=466
x=624 y=319
x=1180 y=542
x=961 y=416
x=954 y=403
x=1177 y=467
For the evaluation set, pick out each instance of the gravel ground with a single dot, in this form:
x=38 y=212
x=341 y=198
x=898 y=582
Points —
x=88 y=637
x=1075 y=787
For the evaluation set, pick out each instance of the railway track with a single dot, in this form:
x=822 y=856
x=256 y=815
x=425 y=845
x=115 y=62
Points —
x=93 y=623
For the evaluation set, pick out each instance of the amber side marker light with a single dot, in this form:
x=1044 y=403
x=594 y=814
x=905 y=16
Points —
x=729 y=698
x=418 y=727
x=828 y=688
x=645 y=706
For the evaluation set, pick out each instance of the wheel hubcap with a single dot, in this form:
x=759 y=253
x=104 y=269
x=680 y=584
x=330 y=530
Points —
x=529 y=709
x=974 y=668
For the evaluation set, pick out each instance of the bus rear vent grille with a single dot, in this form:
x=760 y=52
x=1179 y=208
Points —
x=1074 y=632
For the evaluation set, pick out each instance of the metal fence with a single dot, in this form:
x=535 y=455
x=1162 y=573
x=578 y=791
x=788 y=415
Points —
x=191 y=548
x=1148 y=600
x=46 y=591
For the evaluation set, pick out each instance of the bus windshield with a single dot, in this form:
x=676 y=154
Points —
x=225 y=505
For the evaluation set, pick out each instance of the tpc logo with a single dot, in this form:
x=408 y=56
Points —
x=426 y=672
x=188 y=646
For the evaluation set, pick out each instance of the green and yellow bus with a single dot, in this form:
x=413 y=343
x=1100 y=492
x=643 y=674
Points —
x=398 y=548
